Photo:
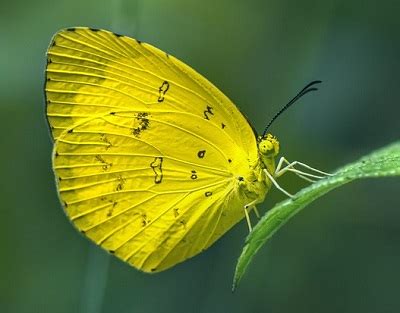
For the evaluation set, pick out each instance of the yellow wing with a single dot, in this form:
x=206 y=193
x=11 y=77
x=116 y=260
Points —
x=146 y=150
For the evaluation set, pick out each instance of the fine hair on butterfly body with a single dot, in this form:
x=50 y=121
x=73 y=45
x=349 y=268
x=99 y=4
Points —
x=152 y=162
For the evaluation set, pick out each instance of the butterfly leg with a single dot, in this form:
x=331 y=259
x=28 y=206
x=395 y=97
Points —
x=247 y=208
x=276 y=184
x=246 y=212
x=280 y=170
x=252 y=205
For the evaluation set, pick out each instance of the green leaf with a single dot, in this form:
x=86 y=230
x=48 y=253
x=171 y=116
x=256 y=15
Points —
x=383 y=162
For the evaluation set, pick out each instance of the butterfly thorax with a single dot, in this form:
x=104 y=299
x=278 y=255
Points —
x=256 y=184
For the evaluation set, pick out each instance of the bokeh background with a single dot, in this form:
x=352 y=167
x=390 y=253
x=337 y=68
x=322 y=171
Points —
x=341 y=254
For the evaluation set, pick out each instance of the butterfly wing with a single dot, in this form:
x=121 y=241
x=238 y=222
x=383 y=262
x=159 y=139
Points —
x=145 y=148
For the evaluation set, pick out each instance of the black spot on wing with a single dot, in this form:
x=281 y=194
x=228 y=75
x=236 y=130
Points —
x=156 y=165
x=104 y=139
x=141 y=123
x=176 y=212
x=120 y=184
x=162 y=91
x=105 y=165
x=208 y=112
x=183 y=223
x=144 y=220
x=201 y=154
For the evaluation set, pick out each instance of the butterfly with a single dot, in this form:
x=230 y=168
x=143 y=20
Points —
x=152 y=162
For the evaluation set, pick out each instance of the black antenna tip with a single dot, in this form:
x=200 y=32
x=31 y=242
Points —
x=301 y=93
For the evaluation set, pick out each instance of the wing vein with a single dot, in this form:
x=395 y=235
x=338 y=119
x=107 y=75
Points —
x=146 y=155
x=188 y=229
x=100 y=86
x=155 y=219
x=154 y=195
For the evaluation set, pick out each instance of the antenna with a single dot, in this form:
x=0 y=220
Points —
x=301 y=93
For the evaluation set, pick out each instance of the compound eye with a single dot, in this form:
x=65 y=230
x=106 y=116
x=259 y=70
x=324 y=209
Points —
x=266 y=147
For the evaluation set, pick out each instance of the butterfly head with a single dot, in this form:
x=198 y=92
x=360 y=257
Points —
x=268 y=146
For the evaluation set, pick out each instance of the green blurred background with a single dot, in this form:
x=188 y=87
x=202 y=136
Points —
x=341 y=254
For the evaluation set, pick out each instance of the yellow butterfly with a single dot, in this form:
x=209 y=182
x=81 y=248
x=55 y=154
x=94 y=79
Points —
x=153 y=163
